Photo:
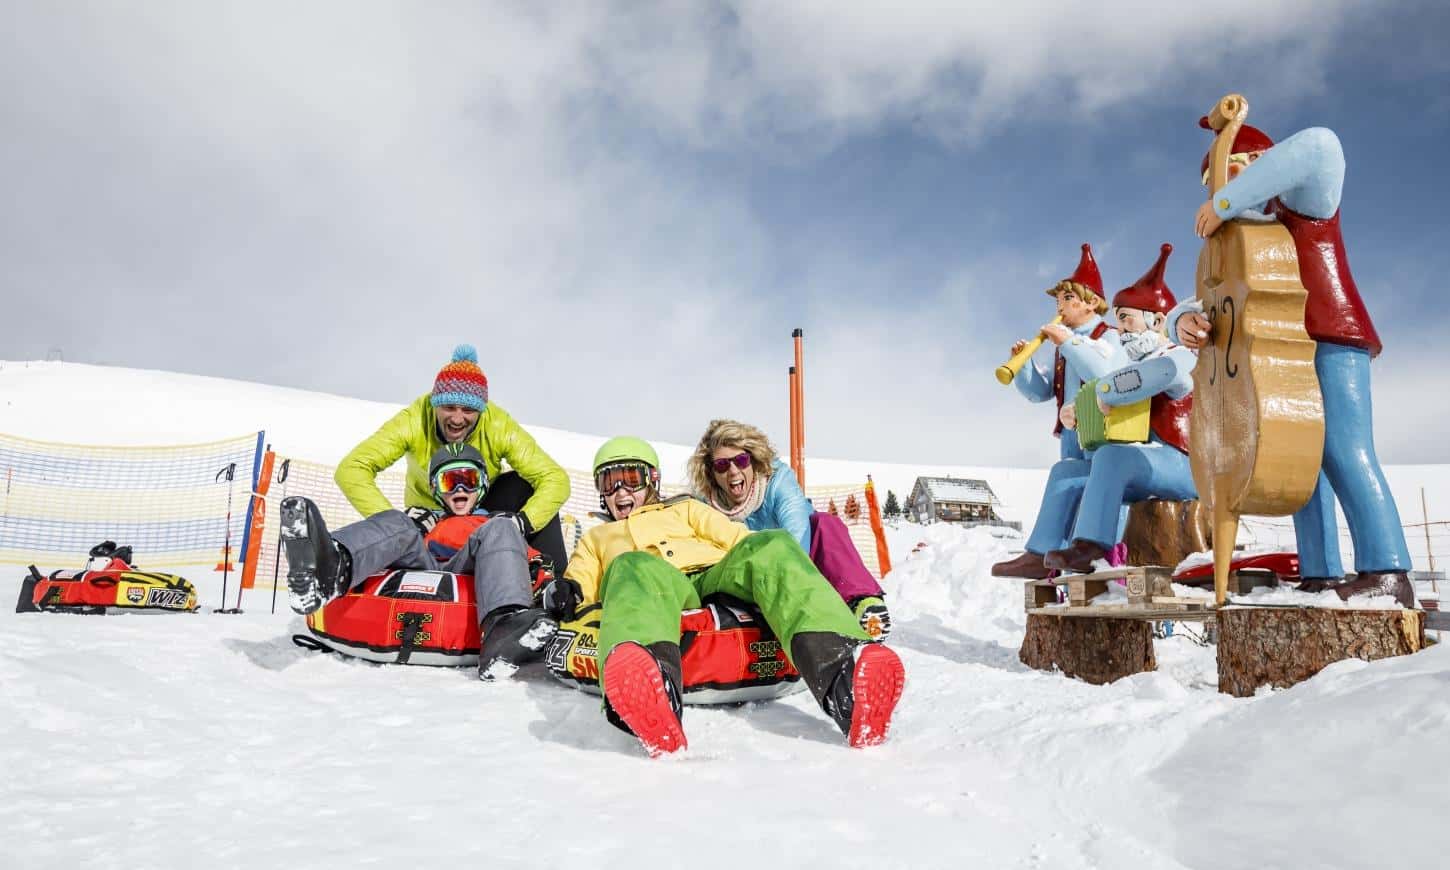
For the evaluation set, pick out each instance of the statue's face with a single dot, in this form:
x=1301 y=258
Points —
x=1074 y=309
x=1132 y=319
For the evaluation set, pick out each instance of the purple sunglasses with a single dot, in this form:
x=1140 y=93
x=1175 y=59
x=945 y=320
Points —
x=739 y=460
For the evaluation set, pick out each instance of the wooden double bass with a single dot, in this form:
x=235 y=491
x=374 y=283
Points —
x=1256 y=433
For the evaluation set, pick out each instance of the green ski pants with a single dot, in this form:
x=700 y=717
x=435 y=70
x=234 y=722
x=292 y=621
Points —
x=643 y=594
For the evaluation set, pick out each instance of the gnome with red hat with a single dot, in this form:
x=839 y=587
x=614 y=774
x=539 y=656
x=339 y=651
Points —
x=1298 y=182
x=1079 y=356
x=1086 y=348
x=1120 y=474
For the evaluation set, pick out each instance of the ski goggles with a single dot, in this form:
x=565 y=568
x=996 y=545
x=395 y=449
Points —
x=633 y=476
x=722 y=465
x=453 y=478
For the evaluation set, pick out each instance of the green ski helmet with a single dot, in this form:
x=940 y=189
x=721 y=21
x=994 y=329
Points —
x=626 y=448
x=451 y=456
x=617 y=461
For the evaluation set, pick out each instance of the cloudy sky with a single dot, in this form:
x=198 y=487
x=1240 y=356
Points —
x=629 y=206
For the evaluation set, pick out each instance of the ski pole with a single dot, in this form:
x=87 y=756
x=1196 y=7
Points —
x=277 y=560
x=230 y=471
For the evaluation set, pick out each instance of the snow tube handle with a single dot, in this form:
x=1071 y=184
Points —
x=310 y=643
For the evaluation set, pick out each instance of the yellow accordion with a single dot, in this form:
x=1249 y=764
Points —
x=1125 y=424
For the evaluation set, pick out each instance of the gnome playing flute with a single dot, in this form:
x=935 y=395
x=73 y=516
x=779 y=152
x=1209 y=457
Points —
x=1086 y=348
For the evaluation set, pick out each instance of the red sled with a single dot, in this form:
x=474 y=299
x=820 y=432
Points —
x=114 y=588
x=1280 y=567
x=728 y=654
x=401 y=617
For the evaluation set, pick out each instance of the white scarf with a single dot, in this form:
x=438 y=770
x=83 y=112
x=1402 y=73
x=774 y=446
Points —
x=753 y=500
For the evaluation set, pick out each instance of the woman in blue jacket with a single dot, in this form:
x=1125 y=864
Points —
x=736 y=470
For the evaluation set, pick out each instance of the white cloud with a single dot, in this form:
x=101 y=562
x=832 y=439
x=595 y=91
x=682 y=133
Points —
x=331 y=195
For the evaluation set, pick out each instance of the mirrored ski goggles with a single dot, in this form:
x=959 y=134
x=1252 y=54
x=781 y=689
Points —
x=722 y=465
x=634 y=477
x=465 y=477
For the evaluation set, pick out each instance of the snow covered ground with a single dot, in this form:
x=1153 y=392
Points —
x=182 y=740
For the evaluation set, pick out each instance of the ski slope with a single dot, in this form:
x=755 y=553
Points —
x=187 y=740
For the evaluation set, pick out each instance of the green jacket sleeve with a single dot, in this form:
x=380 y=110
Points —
x=547 y=477
x=357 y=474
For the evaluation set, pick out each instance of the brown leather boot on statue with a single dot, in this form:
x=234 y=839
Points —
x=1367 y=583
x=1077 y=558
x=1027 y=566
x=1319 y=584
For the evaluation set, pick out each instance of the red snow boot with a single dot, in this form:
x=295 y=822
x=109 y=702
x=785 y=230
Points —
x=643 y=699
x=876 y=685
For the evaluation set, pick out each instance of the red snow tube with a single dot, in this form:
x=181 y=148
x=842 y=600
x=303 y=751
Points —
x=401 y=617
x=116 y=588
x=407 y=617
x=727 y=653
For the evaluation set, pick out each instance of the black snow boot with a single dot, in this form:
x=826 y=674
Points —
x=317 y=566
x=857 y=684
x=643 y=694
x=512 y=636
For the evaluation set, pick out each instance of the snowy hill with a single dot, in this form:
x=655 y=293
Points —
x=170 y=408
x=174 y=741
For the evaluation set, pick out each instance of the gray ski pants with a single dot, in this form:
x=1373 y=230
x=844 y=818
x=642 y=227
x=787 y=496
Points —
x=495 y=555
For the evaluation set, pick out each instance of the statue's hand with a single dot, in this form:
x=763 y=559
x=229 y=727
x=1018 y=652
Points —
x=1207 y=220
x=1056 y=333
x=1194 y=330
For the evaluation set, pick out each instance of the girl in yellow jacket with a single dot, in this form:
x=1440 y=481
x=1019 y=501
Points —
x=658 y=558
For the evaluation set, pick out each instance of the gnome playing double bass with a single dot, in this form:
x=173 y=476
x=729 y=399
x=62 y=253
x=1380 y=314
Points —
x=1299 y=182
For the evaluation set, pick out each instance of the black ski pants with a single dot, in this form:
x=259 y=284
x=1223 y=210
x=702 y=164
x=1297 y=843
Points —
x=509 y=493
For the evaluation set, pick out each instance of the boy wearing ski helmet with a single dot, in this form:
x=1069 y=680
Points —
x=459 y=539
x=659 y=557
x=458 y=411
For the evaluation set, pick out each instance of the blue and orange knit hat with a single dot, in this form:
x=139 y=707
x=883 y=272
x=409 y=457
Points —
x=461 y=381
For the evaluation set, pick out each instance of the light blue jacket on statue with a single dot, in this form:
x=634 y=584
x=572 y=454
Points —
x=785 y=506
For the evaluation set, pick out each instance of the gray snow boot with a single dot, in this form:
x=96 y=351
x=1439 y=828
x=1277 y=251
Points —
x=513 y=636
x=317 y=566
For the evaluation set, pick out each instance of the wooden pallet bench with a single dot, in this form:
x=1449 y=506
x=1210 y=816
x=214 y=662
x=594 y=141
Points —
x=1272 y=645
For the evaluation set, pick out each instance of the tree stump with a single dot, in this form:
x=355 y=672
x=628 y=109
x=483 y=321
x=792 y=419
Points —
x=1094 y=649
x=1281 y=646
x=1166 y=532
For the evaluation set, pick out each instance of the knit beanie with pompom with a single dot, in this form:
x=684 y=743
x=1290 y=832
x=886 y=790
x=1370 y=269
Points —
x=461 y=381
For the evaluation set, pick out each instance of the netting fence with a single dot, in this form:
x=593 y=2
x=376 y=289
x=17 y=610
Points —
x=580 y=513
x=176 y=506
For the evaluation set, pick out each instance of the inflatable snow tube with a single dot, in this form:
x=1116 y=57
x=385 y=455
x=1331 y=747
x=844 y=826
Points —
x=727 y=652
x=118 y=588
x=401 y=617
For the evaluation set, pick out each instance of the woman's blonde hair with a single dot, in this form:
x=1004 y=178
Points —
x=728 y=433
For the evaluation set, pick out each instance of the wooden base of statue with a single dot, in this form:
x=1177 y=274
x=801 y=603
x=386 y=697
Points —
x=1282 y=646
x=1096 y=650
x=1166 y=532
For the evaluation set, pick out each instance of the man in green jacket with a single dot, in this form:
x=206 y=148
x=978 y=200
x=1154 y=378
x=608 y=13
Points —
x=457 y=411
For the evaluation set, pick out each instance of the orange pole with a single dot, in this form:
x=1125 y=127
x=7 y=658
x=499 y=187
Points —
x=800 y=389
x=883 y=556
x=259 y=521
x=795 y=452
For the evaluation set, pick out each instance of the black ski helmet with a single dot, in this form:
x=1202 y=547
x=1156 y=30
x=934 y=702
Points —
x=453 y=455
